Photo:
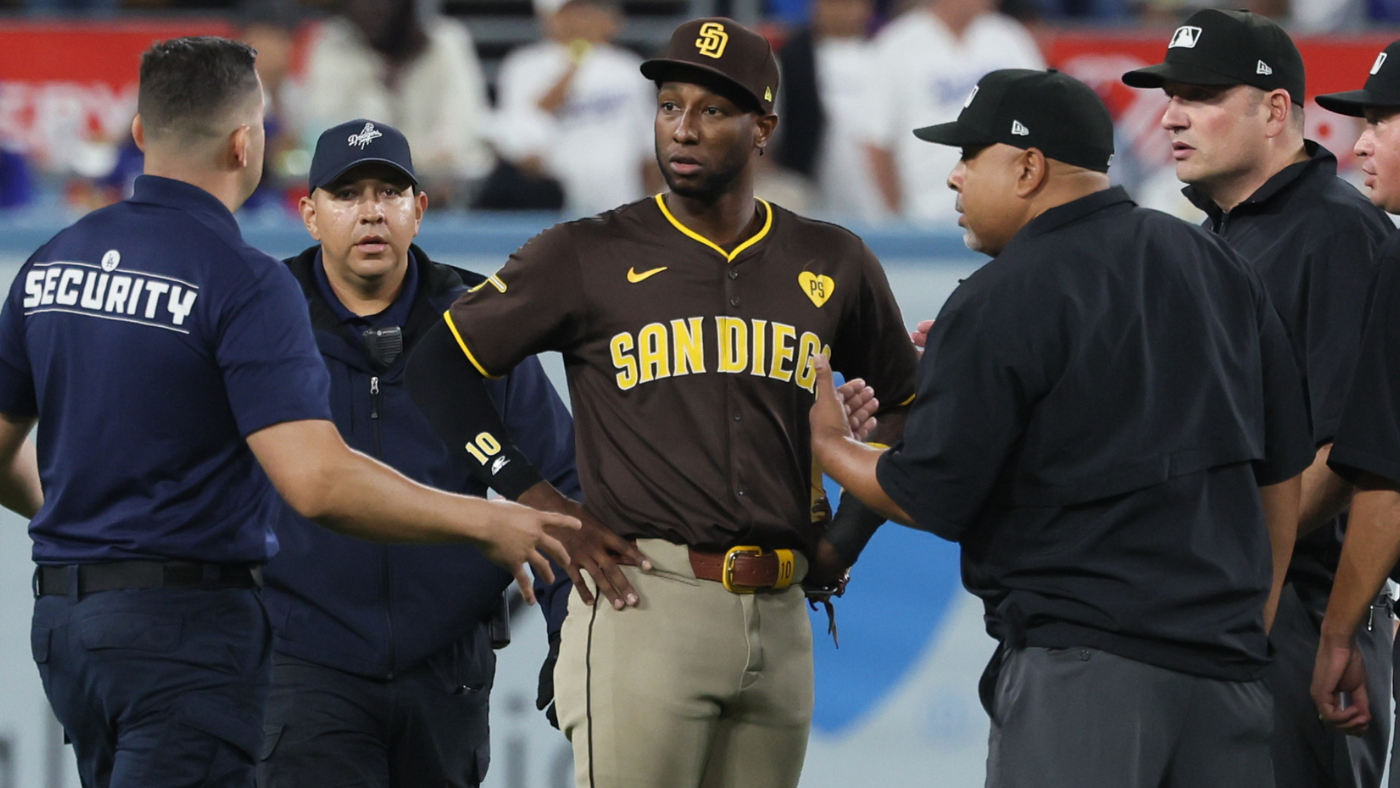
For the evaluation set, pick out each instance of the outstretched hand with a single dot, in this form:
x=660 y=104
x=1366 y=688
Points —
x=830 y=420
x=919 y=336
x=1339 y=686
x=518 y=538
x=860 y=403
x=593 y=548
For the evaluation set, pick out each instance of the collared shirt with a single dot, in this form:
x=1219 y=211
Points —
x=1096 y=409
x=1368 y=438
x=396 y=314
x=1312 y=237
x=150 y=340
x=691 y=366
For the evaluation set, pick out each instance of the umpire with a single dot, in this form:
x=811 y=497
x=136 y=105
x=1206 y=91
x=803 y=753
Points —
x=1110 y=422
x=1367 y=448
x=165 y=360
x=1235 y=85
x=382 y=660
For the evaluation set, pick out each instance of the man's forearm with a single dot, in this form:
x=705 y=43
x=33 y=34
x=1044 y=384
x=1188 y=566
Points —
x=20 y=490
x=1325 y=494
x=1369 y=552
x=852 y=464
x=882 y=166
x=1280 y=503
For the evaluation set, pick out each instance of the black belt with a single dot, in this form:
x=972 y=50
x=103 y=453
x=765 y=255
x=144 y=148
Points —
x=116 y=575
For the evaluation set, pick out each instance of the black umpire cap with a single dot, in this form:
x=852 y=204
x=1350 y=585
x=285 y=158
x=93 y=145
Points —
x=359 y=142
x=1382 y=87
x=1223 y=48
x=1054 y=112
x=722 y=49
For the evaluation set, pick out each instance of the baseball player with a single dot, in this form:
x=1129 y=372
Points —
x=175 y=381
x=1367 y=445
x=689 y=323
x=1110 y=423
x=1235 y=84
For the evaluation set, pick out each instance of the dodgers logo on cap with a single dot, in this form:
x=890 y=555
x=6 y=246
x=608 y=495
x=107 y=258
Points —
x=367 y=135
x=712 y=40
x=1185 y=36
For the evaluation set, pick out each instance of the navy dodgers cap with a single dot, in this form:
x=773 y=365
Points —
x=1382 y=87
x=358 y=142
x=1225 y=48
x=1054 y=112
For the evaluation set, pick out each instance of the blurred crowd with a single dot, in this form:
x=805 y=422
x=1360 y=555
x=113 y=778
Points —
x=564 y=122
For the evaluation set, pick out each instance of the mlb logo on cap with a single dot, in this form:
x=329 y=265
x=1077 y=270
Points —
x=1380 y=61
x=1185 y=36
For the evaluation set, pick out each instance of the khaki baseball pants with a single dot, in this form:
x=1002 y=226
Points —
x=694 y=688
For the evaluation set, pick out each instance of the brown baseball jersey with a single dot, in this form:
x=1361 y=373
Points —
x=690 y=367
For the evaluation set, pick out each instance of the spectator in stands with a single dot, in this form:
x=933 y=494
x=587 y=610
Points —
x=827 y=75
x=927 y=62
x=16 y=181
x=381 y=59
x=575 y=107
x=270 y=27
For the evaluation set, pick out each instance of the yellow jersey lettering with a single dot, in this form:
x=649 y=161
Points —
x=623 y=361
x=760 y=349
x=689 y=345
x=733 y=344
x=652 y=352
x=783 y=336
x=806 y=370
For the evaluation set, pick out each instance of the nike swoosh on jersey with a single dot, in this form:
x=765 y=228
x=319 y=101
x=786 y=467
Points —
x=634 y=277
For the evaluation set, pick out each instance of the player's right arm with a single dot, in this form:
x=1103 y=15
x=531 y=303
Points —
x=324 y=480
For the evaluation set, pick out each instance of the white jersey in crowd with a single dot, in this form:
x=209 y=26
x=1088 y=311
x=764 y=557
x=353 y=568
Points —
x=922 y=76
x=438 y=101
x=597 y=142
x=843 y=174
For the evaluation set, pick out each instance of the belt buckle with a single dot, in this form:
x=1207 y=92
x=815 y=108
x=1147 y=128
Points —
x=727 y=573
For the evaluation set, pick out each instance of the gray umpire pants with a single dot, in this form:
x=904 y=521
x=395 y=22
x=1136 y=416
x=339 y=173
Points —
x=1306 y=753
x=1083 y=718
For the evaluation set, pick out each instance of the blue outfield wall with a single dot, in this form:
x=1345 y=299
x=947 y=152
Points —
x=896 y=703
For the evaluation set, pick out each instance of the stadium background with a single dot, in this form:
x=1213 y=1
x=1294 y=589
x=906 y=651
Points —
x=896 y=704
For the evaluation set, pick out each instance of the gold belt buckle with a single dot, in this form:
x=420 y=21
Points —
x=787 y=567
x=727 y=574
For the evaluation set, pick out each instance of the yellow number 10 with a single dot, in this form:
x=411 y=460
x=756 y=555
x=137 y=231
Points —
x=483 y=446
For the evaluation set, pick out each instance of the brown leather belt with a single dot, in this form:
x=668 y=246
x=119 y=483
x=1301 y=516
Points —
x=744 y=570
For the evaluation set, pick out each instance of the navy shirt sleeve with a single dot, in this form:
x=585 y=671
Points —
x=1368 y=437
x=1342 y=272
x=267 y=353
x=983 y=368
x=17 y=397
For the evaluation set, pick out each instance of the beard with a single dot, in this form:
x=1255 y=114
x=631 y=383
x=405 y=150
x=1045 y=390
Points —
x=713 y=183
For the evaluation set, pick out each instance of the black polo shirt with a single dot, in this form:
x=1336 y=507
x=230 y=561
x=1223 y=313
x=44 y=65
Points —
x=1097 y=407
x=1312 y=237
x=1368 y=438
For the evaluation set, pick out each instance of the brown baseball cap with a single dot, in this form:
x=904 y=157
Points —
x=719 y=47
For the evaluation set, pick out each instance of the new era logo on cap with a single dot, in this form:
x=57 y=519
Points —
x=1019 y=130
x=367 y=135
x=1380 y=61
x=1185 y=36
x=1263 y=68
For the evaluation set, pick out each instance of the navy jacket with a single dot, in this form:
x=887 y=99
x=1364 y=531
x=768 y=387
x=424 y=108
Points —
x=376 y=610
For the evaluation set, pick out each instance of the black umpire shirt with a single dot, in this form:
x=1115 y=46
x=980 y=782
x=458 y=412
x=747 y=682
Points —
x=1312 y=237
x=1368 y=438
x=1096 y=409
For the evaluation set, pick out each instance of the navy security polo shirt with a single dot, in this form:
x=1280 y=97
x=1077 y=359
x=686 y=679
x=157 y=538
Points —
x=1097 y=408
x=149 y=340
x=1312 y=238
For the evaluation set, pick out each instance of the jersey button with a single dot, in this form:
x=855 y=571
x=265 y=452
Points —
x=733 y=273
x=738 y=417
x=734 y=300
x=743 y=492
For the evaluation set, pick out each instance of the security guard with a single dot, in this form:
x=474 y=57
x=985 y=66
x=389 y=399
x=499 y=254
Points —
x=1110 y=423
x=165 y=361
x=382 y=660
x=1235 y=84
x=1367 y=447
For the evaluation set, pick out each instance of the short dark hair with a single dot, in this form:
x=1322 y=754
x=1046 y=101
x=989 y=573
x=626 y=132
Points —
x=188 y=83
